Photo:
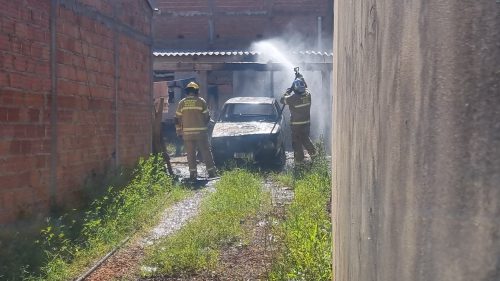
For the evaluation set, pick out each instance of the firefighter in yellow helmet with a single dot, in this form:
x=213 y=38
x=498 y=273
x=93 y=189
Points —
x=300 y=106
x=192 y=118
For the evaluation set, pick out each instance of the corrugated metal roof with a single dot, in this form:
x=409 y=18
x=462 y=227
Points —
x=266 y=100
x=232 y=53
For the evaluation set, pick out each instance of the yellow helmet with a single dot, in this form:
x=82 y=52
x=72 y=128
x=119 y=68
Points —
x=192 y=87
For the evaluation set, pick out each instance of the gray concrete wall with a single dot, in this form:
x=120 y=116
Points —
x=416 y=140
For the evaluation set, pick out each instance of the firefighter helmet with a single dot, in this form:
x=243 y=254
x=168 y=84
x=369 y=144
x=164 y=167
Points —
x=192 y=87
x=299 y=86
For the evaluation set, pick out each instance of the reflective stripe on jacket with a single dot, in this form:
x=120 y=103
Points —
x=192 y=115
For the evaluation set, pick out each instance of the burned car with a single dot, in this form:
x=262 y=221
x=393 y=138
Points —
x=249 y=128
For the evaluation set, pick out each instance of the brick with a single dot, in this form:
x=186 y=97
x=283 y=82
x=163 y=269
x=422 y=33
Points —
x=40 y=51
x=38 y=16
x=105 y=80
x=34 y=115
x=69 y=29
x=19 y=81
x=63 y=57
x=7 y=198
x=5 y=42
x=68 y=15
x=81 y=75
x=42 y=68
x=10 y=9
x=45 y=146
x=7 y=61
x=23 y=30
x=20 y=147
x=6 y=216
x=4 y=149
x=34 y=100
x=64 y=116
x=19 y=132
x=13 y=114
x=4 y=79
x=67 y=102
x=67 y=72
x=35 y=132
x=15 y=46
x=23 y=197
x=8 y=25
x=21 y=46
x=14 y=165
x=13 y=181
x=42 y=85
x=69 y=44
x=65 y=87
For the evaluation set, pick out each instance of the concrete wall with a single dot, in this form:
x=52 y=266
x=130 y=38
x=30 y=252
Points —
x=75 y=95
x=235 y=24
x=417 y=140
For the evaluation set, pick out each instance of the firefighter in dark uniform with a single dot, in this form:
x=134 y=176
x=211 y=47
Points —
x=192 y=118
x=299 y=104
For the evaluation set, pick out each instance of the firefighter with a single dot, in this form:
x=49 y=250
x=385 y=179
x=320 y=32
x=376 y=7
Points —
x=299 y=104
x=192 y=118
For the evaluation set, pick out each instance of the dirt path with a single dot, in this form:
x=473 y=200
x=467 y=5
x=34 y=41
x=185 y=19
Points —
x=252 y=260
x=241 y=261
x=124 y=264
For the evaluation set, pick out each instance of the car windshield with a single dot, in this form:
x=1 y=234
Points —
x=247 y=112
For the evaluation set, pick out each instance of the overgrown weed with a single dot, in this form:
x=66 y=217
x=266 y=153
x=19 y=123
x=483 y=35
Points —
x=305 y=236
x=73 y=241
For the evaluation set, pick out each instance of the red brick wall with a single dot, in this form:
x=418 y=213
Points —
x=135 y=110
x=238 y=23
x=24 y=114
x=86 y=116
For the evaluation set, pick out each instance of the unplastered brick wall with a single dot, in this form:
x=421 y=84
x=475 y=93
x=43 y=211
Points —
x=24 y=115
x=235 y=24
x=99 y=105
x=135 y=119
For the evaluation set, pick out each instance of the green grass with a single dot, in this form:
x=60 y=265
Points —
x=305 y=236
x=73 y=241
x=283 y=179
x=196 y=247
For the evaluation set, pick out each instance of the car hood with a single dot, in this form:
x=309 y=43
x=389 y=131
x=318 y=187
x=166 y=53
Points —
x=243 y=128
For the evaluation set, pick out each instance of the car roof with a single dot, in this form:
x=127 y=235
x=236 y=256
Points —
x=252 y=100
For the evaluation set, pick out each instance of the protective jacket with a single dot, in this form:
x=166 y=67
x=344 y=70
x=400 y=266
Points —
x=300 y=107
x=192 y=118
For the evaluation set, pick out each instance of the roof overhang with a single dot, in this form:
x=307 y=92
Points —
x=238 y=61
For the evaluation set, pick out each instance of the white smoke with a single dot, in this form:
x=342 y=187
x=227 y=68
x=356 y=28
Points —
x=285 y=52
